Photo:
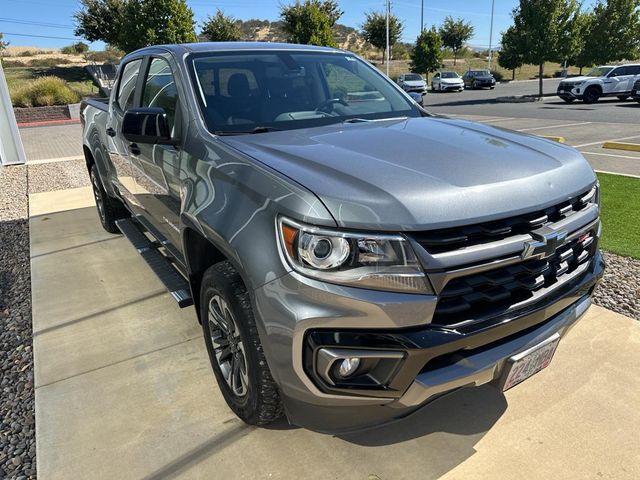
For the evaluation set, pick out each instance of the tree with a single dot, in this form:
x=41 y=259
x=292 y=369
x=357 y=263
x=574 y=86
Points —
x=221 y=28
x=454 y=33
x=426 y=56
x=3 y=44
x=310 y=22
x=615 y=31
x=133 y=24
x=542 y=27
x=510 y=56
x=582 y=55
x=374 y=30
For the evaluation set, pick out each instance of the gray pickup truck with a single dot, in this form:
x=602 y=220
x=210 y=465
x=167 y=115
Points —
x=350 y=256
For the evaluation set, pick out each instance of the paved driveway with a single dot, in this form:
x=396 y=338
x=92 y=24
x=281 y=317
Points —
x=124 y=389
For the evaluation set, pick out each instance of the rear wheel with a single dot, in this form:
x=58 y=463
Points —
x=234 y=348
x=109 y=209
x=591 y=95
x=623 y=97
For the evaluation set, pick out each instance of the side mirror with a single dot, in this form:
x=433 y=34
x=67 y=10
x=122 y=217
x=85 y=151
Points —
x=146 y=125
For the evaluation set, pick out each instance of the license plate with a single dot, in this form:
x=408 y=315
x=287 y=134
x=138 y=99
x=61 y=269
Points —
x=530 y=362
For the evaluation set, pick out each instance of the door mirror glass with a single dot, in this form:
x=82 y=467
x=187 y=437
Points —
x=146 y=125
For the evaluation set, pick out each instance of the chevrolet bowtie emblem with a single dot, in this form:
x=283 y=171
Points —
x=544 y=244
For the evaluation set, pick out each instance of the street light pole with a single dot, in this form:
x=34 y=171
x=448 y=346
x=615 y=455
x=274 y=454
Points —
x=387 y=49
x=422 y=16
x=491 y=33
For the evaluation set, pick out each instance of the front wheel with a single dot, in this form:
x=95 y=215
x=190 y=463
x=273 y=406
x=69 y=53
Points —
x=591 y=95
x=109 y=209
x=234 y=348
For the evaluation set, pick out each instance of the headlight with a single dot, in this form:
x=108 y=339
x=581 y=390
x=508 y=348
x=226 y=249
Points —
x=380 y=262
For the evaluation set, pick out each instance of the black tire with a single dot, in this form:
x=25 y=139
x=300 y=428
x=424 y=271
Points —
x=252 y=394
x=109 y=209
x=568 y=100
x=591 y=95
x=623 y=97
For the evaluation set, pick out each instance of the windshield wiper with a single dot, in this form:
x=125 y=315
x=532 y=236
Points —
x=259 y=129
x=357 y=120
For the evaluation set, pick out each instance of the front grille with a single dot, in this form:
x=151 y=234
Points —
x=488 y=294
x=437 y=241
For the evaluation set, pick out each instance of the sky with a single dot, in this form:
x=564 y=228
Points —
x=36 y=22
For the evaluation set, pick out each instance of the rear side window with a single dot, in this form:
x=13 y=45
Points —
x=633 y=70
x=160 y=89
x=127 y=84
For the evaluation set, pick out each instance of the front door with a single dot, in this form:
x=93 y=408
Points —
x=123 y=98
x=158 y=176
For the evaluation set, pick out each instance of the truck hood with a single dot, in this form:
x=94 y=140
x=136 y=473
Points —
x=421 y=173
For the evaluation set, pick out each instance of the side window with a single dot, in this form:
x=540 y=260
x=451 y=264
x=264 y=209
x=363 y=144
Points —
x=633 y=70
x=617 y=72
x=160 y=89
x=127 y=84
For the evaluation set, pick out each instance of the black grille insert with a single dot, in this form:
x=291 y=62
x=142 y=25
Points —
x=488 y=294
x=437 y=241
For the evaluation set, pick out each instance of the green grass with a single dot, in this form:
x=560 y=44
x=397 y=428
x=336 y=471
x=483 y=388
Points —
x=76 y=77
x=620 y=201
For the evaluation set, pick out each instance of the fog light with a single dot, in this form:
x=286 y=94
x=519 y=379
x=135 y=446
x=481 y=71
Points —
x=348 y=367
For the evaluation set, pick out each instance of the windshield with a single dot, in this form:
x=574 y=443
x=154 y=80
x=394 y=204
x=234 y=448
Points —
x=251 y=92
x=449 y=75
x=480 y=73
x=599 y=72
x=413 y=77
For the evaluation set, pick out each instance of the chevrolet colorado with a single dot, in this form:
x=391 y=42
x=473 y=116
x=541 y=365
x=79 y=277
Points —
x=350 y=256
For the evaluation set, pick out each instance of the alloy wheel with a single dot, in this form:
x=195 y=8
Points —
x=228 y=346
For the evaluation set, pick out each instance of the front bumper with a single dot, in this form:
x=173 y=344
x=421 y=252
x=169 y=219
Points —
x=421 y=90
x=300 y=316
x=569 y=92
x=452 y=86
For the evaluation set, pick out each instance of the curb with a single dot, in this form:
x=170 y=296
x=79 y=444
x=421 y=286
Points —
x=48 y=123
x=518 y=99
x=554 y=138
x=630 y=147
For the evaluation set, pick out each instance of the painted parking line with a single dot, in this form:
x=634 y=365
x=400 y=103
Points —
x=610 y=155
x=499 y=119
x=616 y=173
x=554 y=126
x=606 y=140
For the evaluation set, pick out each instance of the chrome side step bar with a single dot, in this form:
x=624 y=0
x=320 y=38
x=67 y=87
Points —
x=175 y=283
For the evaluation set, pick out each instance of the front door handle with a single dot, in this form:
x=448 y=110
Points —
x=111 y=132
x=134 y=149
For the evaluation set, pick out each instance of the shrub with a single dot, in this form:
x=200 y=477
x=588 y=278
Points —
x=44 y=91
x=497 y=75
x=77 y=48
x=110 y=55
x=49 y=62
x=13 y=64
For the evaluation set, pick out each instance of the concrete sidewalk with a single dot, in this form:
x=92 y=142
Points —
x=124 y=389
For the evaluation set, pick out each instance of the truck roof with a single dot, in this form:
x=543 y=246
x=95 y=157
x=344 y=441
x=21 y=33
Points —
x=226 y=46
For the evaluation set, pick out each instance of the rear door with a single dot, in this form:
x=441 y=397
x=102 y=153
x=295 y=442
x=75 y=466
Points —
x=619 y=81
x=124 y=96
x=158 y=176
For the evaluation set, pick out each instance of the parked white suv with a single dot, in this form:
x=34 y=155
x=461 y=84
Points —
x=604 y=81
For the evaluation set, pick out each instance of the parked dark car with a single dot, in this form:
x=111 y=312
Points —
x=635 y=91
x=479 y=79
x=349 y=256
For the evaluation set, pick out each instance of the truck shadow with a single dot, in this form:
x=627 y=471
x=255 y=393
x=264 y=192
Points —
x=467 y=413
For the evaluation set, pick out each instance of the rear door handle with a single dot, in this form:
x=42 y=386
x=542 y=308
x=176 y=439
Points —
x=111 y=132
x=134 y=149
